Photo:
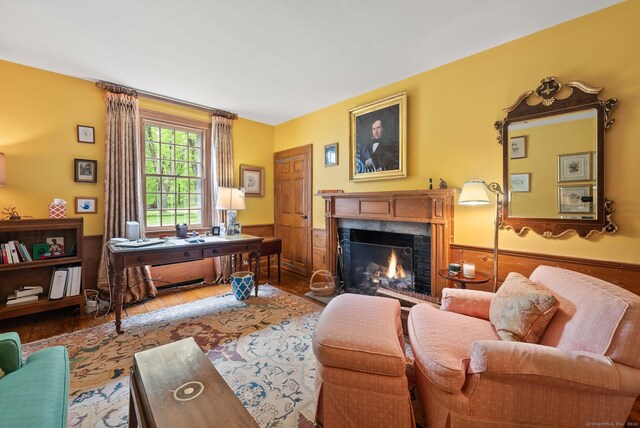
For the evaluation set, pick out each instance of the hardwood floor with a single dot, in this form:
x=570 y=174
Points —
x=48 y=324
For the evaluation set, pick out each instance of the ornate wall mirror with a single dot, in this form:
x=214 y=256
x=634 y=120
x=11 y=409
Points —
x=553 y=160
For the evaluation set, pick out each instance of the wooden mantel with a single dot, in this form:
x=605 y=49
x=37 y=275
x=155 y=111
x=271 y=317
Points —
x=416 y=206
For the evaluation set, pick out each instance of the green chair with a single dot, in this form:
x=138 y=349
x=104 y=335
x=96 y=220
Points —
x=34 y=393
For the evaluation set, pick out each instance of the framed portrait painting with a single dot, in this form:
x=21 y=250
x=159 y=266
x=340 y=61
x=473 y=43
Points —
x=85 y=171
x=252 y=180
x=378 y=133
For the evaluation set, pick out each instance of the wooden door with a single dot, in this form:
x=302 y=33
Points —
x=293 y=172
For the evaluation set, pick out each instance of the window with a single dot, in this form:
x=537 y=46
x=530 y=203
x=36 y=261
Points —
x=174 y=179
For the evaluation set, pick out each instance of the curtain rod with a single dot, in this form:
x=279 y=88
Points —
x=119 y=89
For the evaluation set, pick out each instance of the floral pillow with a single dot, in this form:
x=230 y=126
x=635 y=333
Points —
x=521 y=309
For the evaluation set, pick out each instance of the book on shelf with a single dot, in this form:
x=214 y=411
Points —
x=58 y=283
x=28 y=291
x=73 y=281
x=17 y=300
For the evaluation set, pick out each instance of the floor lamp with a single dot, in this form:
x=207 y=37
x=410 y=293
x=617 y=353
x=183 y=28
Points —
x=474 y=192
x=230 y=199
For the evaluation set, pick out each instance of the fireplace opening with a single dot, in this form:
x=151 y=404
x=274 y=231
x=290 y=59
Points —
x=395 y=261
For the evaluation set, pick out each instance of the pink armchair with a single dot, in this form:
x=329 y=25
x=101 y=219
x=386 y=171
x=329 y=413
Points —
x=584 y=371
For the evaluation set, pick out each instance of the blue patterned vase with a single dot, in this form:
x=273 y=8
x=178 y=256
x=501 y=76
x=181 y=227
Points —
x=242 y=284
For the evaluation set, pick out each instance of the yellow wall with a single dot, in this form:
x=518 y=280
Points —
x=38 y=118
x=451 y=111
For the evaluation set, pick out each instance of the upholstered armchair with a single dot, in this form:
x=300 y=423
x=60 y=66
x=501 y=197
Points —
x=585 y=369
x=33 y=393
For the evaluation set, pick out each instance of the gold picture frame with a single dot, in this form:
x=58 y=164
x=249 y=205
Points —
x=378 y=134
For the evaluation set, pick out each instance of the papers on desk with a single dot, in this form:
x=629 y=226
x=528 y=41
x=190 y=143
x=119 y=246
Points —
x=140 y=243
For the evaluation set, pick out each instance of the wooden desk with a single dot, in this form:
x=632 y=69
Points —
x=176 y=251
x=176 y=385
x=461 y=280
x=270 y=246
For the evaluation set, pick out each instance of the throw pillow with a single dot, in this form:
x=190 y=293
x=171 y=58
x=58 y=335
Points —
x=1 y=372
x=521 y=309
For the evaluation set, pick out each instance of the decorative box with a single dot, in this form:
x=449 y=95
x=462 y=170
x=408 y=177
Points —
x=57 y=211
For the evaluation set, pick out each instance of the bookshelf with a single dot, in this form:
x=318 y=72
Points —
x=38 y=272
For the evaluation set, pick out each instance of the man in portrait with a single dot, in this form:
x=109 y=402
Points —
x=378 y=153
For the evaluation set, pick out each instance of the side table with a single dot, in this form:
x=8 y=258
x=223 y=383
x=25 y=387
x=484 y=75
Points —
x=461 y=281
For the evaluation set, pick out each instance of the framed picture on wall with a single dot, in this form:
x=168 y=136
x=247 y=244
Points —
x=378 y=144
x=252 y=180
x=574 y=167
x=518 y=147
x=85 y=171
x=86 y=134
x=331 y=154
x=575 y=199
x=87 y=205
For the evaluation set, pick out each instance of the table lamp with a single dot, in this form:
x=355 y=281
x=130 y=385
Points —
x=474 y=192
x=231 y=200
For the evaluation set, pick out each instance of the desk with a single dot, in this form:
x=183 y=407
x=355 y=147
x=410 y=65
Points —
x=461 y=280
x=176 y=251
x=175 y=385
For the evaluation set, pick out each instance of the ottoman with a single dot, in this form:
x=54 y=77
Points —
x=360 y=368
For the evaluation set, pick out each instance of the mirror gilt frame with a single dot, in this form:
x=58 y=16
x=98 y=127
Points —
x=550 y=99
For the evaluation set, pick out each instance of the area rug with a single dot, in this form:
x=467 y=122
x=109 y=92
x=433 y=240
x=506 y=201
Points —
x=261 y=346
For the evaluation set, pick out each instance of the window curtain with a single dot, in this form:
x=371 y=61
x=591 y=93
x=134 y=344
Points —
x=222 y=173
x=122 y=189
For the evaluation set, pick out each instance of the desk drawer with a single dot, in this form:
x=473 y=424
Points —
x=236 y=249
x=166 y=257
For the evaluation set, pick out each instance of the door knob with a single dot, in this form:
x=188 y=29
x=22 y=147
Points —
x=304 y=216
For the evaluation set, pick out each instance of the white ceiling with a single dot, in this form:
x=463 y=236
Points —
x=268 y=61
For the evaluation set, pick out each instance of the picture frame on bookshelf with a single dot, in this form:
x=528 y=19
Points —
x=56 y=246
x=40 y=250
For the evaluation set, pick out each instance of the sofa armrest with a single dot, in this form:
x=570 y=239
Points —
x=473 y=303
x=10 y=352
x=547 y=365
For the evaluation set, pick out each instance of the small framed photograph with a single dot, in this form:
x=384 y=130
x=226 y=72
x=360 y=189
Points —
x=574 y=167
x=518 y=147
x=521 y=182
x=87 y=205
x=56 y=246
x=575 y=199
x=215 y=230
x=252 y=180
x=237 y=229
x=40 y=250
x=331 y=155
x=85 y=171
x=86 y=134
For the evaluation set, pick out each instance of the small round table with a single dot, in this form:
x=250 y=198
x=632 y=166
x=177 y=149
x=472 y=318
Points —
x=460 y=279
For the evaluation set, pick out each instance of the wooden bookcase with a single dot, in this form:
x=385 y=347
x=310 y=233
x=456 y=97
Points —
x=38 y=272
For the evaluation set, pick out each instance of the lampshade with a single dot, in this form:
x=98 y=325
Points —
x=474 y=193
x=230 y=198
x=3 y=176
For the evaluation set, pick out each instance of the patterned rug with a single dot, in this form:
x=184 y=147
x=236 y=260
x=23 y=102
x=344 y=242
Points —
x=262 y=348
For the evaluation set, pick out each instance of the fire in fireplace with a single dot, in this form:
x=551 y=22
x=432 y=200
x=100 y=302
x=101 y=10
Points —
x=395 y=261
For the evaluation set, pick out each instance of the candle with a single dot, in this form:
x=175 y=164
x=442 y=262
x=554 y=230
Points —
x=469 y=270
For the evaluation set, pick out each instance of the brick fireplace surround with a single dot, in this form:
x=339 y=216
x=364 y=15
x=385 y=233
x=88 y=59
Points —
x=434 y=207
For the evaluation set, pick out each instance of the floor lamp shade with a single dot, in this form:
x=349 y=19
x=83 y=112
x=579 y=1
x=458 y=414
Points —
x=474 y=193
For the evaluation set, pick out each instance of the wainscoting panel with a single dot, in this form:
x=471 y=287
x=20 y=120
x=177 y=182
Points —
x=626 y=275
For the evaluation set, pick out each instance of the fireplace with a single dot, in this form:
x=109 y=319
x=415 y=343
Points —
x=395 y=256
x=428 y=210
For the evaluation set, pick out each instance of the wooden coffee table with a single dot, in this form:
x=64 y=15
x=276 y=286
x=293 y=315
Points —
x=176 y=385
